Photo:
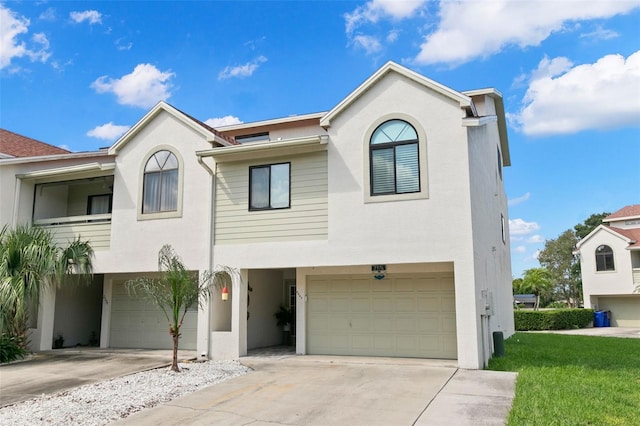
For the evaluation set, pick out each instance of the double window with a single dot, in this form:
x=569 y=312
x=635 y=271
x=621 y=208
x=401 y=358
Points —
x=394 y=159
x=160 y=184
x=270 y=186
x=604 y=258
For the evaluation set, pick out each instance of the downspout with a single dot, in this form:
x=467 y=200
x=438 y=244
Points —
x=211 y=240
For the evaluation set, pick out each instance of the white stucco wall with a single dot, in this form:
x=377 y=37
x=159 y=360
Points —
x=135 y=243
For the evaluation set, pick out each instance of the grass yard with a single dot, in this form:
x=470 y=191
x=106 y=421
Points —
x=573 y=380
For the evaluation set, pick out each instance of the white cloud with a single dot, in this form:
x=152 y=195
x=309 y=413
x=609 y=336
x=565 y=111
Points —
x=122 y=45
x=108 y=131
x=518 y=200
x=520 y=249
x=91 y=16
x=11 y=27
x=370 y=44
x=374 y=10
x=535 y=239
x=475 y=29
x=48 y=15
x=601 y=33
x=227 y=120
x=240 y=71
x=371 y=13
x=563 y=98
x=521 y=227
x=144 y=87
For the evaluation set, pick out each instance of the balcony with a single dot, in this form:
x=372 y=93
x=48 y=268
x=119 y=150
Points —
x=95 y=228
x=636 y=277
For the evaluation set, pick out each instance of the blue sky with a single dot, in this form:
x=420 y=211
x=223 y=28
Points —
x=78 y=74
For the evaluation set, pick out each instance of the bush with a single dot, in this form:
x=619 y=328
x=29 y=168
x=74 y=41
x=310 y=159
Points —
x=558 y=319
x=11 y=348
x=556 y=305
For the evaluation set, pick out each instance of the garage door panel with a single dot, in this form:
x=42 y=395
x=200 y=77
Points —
x=625 y=311
x=136 y=323
x=410 y=315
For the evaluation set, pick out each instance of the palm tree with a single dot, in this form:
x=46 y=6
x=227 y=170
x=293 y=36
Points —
x=30 y=263
x=536 y=281
x=177 y=290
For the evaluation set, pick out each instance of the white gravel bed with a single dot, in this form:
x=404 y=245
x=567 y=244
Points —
x=107 y=401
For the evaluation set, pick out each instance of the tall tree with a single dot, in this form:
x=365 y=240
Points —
x=592 y=222
x=30 y=263
x=536 y=281
x=177 y=290
x=557 y=258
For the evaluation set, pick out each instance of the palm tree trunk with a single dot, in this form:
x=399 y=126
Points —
x=174 y=362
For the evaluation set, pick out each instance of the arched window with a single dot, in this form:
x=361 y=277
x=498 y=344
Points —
x=394 y=159
x=160 y=185
x=604 y=258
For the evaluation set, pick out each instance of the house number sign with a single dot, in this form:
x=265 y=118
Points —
x=379 y=271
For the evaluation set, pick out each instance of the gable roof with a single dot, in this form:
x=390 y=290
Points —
x=623 y=213
x=208 y=132
x=389 y=67
x=630 y=236
x=15 y=145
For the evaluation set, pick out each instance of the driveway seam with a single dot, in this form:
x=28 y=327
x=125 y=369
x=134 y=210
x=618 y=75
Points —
x=435 y=396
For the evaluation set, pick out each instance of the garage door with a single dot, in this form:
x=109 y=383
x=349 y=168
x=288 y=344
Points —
x=136 y=323
x=625 y=311
x=402 y=316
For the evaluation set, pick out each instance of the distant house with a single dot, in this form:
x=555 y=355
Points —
x=381 y=223
x=524 y=300
x=610 y=263
x=13 y=145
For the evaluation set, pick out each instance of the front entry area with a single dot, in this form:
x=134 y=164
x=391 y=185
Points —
x=402 y=315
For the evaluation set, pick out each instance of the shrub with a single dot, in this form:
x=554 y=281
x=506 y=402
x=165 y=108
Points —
x=558 y=319
x=11 y=348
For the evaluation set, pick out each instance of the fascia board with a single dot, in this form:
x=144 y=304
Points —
x=271 y=122
x=54 y=157
x=268 y=149
x=465 y=101
x=602 y=228
x=149 y=116
x=71 y=170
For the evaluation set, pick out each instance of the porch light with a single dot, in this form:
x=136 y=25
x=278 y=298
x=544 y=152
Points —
x=225 y=294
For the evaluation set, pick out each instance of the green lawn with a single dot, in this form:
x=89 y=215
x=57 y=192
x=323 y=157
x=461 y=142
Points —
x=573 y=380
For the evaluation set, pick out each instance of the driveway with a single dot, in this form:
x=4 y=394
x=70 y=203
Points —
x=323 y=390
x=54 y=371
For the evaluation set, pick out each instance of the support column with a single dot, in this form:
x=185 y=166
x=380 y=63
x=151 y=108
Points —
x=204 y=326
x=105 y=323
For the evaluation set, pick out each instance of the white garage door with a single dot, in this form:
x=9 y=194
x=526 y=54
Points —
x=402 y=315
x=625 y=311
x=136 y=323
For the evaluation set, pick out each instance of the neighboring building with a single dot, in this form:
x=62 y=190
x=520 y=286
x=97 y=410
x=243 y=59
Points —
x=382 y=223
x=525 y=300
x=610 y=263
x=13 y=145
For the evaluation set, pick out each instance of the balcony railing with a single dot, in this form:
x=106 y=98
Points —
x=95 y=228
x=636 y=277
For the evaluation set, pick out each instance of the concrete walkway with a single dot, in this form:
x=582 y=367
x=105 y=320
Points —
x=626 y=332
x=325 y=390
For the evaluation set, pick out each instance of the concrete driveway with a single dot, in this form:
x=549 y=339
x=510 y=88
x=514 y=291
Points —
x=54 y=371
x=323 y=390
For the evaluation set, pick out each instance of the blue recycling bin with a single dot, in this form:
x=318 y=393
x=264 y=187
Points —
x=606 y=318
x=598 y=318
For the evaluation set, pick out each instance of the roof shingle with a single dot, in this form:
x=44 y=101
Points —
x=627 y=211
x=15 y=145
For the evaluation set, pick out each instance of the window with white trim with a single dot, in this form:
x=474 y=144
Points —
x=270 y=186
x=160 y=183
x=394 y=159
x=604 y=258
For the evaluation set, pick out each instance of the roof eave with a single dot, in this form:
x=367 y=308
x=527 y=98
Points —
x=465 y=101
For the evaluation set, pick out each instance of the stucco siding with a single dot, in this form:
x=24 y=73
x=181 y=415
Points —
x=306 y=219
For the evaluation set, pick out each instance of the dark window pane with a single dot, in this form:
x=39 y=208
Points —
x=260 y=187
x=382 y=171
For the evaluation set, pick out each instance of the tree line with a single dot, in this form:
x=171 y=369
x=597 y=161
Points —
x=558 y=282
